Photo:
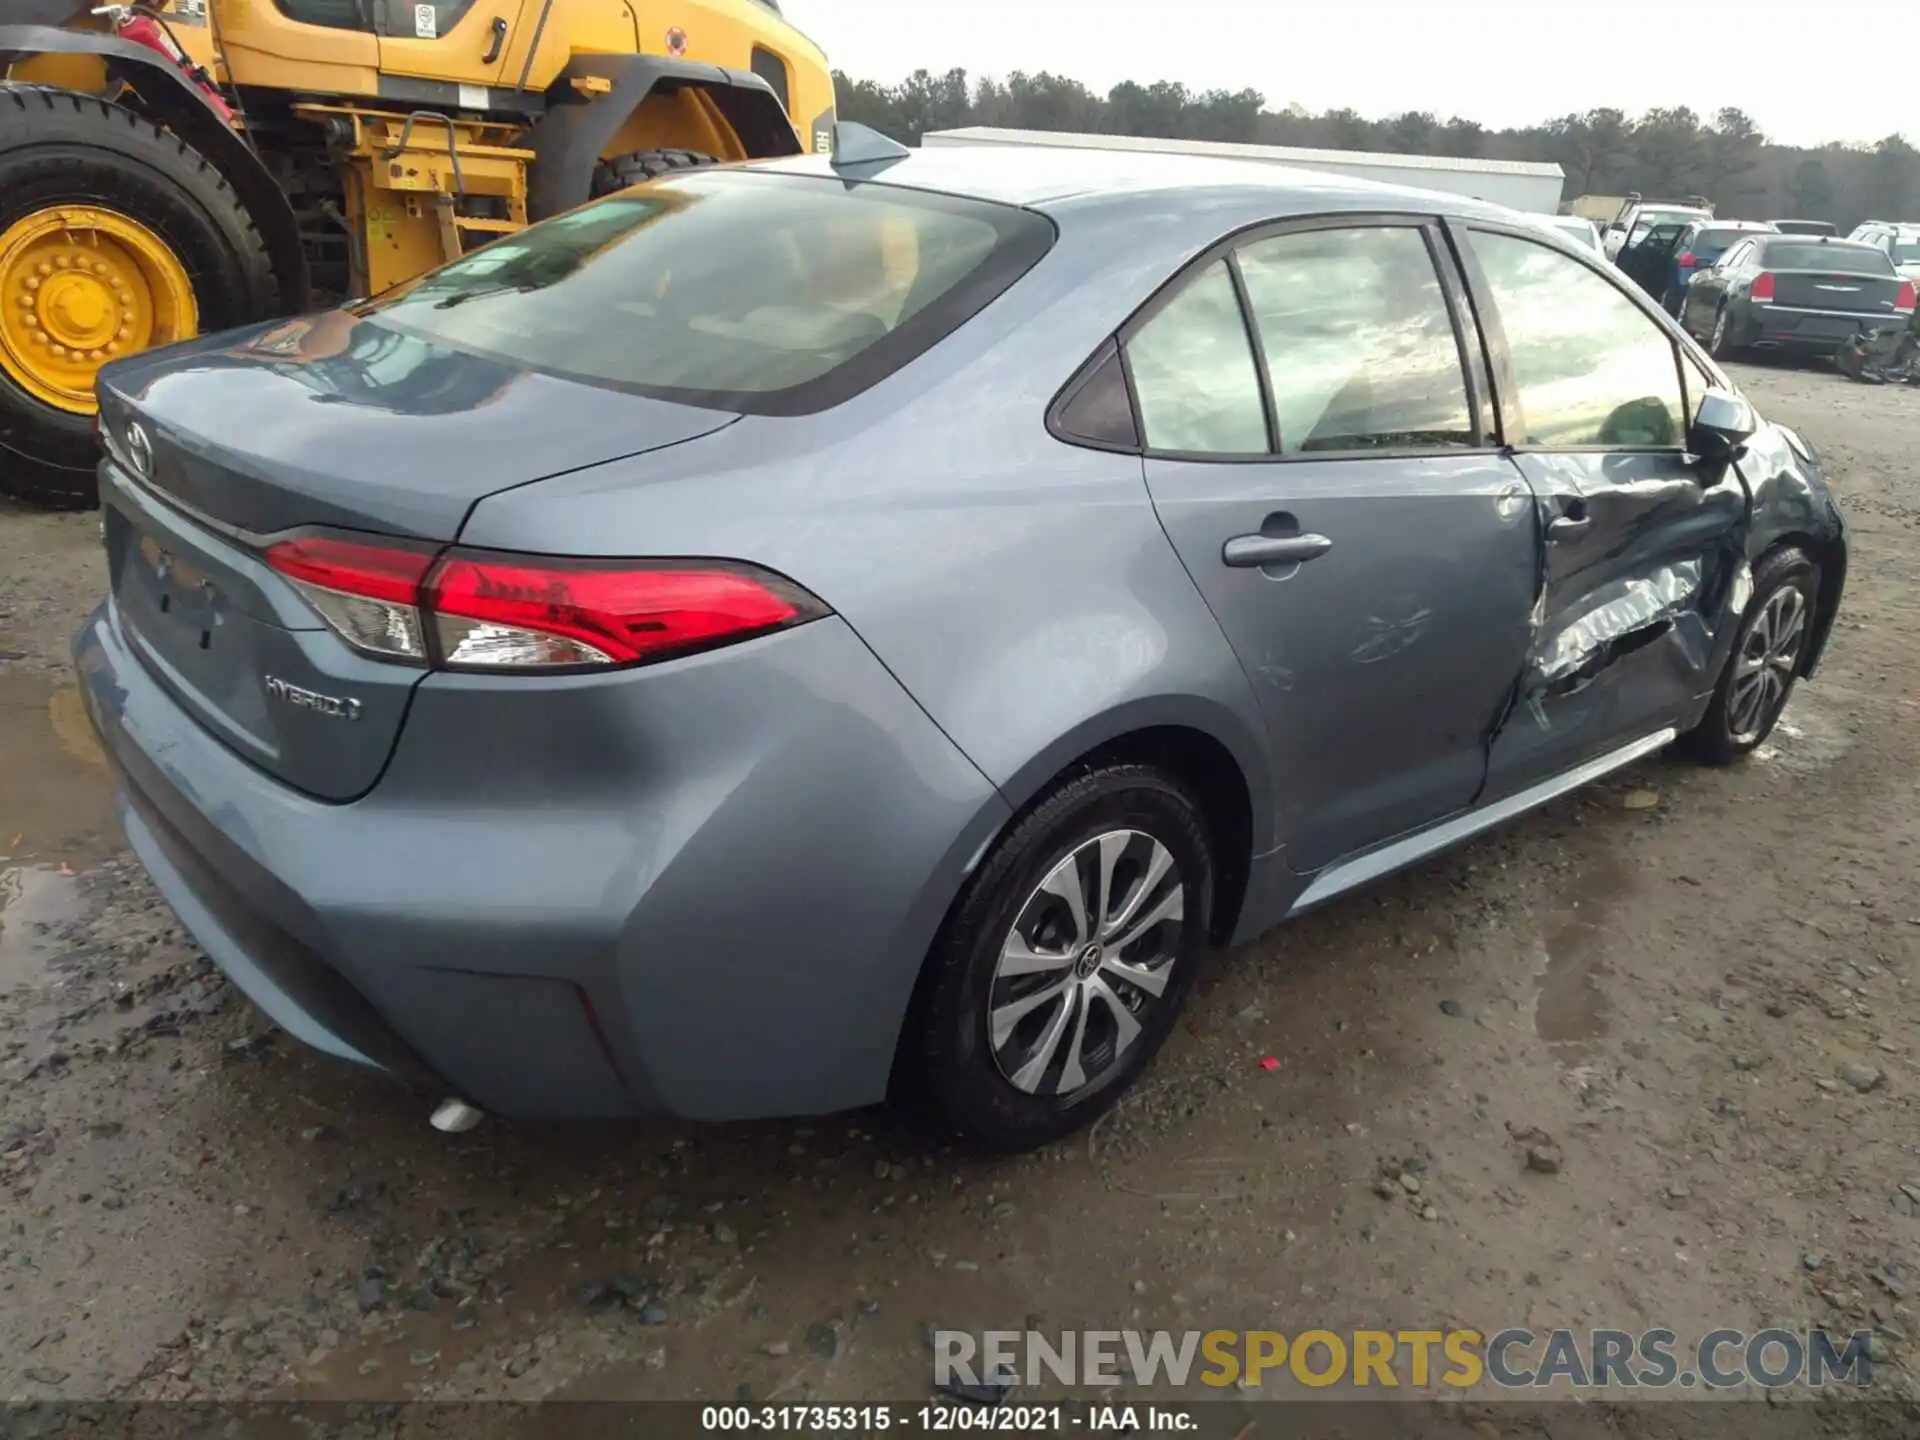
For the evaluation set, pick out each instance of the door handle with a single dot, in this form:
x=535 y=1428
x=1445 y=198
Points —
x=499 y=39
x=1568 y=527
x=1248 y=551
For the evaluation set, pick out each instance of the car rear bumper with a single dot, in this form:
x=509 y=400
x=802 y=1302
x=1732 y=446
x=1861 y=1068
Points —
x=702 y=889
x=1784 y=327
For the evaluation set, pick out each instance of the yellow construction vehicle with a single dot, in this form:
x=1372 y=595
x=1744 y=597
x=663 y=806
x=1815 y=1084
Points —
x=177 y=167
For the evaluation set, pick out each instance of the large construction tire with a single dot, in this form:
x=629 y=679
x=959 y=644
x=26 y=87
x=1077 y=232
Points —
x=114 y=236
x=623 y=171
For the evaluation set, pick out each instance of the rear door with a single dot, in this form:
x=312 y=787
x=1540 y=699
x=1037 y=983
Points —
x=1701 y=299
x=1641 y=546
x=1330 y=479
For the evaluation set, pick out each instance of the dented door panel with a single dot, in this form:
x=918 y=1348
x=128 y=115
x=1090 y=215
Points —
x=1383 y=665
x=1641 y=565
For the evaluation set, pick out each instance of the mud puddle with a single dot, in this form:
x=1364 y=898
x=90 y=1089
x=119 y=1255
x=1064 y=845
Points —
x=56 y=820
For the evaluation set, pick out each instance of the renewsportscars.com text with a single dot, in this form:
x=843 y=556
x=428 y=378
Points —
x=1513 y=1358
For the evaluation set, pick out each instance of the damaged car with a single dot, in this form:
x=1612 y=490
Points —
x=781 y=636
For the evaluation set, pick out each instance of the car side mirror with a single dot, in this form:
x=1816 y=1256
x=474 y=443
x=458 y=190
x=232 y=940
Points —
x=1722 y=426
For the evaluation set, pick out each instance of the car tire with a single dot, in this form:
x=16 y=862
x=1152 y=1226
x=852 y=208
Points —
x=1763 y=662
x=1720 y=343
x=623 y=171
x=1030 y=1029
x=69 y=149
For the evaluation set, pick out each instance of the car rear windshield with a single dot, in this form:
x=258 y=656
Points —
x=769 y=293
x=1906 y=252
x=1835 y=259
x=1717 y=240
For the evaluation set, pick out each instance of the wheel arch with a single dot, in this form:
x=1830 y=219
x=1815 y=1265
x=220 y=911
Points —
x=1202 y=745
x=570 y=139
x=173 y=103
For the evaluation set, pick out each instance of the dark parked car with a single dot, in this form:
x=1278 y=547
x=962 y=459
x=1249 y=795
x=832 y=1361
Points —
x=1805 y=227
x=778 y=632
x=1808 y=296
x=1667 y=257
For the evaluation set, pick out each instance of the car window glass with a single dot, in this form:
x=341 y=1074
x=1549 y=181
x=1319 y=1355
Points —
x=1359 y=344
x=1193 y=373
x=1592 y=367
x=729 y=288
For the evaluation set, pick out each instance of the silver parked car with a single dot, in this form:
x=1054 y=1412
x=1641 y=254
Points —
x=782 y=632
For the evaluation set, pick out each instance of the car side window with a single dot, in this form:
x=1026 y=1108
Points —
x=1359 y=344
x=1593 y=368
x=1731 y=261
x=1193 y=373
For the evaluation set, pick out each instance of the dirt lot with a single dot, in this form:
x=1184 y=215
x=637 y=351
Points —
x=1704 y=985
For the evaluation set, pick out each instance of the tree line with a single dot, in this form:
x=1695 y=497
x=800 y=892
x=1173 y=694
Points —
x=1666 y=152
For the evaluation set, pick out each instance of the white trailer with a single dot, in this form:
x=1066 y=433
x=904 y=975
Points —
x=1519 y=184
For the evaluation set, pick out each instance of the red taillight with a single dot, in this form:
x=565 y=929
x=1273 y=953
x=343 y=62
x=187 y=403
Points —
x=374 y=572
x=1904 y=300
x=494 y=611
x=369 y=594
x=1686 y=261
x=1762 y=287
x=486 y=611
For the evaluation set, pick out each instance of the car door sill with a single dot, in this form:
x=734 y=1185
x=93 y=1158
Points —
x=1345 y=875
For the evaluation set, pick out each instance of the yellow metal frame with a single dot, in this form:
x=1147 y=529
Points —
x=410 y=181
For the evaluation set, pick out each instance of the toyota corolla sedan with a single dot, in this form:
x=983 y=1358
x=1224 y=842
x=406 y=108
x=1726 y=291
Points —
x=784 y=632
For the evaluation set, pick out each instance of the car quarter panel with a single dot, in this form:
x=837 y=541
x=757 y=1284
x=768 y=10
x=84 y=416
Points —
x=541 y=918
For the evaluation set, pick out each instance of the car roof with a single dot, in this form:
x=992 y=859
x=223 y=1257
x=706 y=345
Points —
x=1054 y=179
x=1760 y=227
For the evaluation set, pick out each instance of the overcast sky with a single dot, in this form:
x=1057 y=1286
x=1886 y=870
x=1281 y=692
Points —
x=1796 y=68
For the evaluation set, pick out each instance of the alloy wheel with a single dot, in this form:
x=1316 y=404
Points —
x=1089 y=954
x=1763 y=669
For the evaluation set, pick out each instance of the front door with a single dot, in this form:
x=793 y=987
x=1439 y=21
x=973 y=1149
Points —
x=1329 y=481
x=464 y=43
x=1642 y=546
x=1649 y=260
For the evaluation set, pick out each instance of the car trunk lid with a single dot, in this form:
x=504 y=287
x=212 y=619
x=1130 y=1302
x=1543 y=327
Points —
x=337 y=420
x=209 y=457
x=1836 y=290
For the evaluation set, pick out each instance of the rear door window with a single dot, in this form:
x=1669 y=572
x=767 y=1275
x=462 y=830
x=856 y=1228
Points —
x=1592 y=367
x=1359 y=345
x=1193 y=373
x=769 y=293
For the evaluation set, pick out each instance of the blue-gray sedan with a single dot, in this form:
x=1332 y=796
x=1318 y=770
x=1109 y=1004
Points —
x=782 y=631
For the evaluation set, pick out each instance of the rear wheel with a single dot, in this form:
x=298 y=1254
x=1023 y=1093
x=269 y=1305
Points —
x=622 y=171
x=114 y=236
x=1066 y=961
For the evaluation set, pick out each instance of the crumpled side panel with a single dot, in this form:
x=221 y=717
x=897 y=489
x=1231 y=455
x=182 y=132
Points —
x=1621 y=610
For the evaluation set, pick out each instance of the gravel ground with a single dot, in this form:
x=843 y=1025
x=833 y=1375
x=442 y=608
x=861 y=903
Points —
x=1697 y=986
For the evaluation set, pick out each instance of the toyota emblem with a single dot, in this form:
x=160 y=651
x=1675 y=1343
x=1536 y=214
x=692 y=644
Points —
x=139 y=450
